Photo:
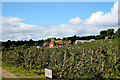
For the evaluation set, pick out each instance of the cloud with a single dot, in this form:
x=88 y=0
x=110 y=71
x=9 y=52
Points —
x=11 y=20
x=104 y=19
x=76 y=20
x=100 y=18
x=14 y=28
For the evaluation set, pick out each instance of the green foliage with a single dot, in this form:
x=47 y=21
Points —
x=48 y=40
x=4 y=48
x=12 y=47
x=37 y=44
x=54 y=38
x=110 y=32
x=25 y=45
x=103 y=34
x=117 y=34
x=109 y=37
x=113 y=37
x=83 y=60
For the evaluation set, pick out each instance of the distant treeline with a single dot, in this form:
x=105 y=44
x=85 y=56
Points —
x=110 y=33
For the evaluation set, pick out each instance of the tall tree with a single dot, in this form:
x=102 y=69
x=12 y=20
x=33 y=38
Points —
x=47 y=40
x=110 y=32
x=103 y=34
x=117 y=34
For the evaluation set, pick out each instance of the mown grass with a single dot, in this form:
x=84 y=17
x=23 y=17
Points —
x=22 y=73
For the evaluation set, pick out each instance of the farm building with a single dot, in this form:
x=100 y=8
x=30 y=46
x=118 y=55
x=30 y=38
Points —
x=92 y=40
x=56 y=43
x=52 y=44
x=59 y=43
x=84 y=41
x=46 y=44
x=67 y=42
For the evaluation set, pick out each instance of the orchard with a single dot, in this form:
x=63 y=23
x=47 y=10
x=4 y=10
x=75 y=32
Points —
x=100 y=59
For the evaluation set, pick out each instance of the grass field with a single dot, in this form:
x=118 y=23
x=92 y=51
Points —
x=20 y=72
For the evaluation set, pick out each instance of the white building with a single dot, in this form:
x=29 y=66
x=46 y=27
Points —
x=84 y=41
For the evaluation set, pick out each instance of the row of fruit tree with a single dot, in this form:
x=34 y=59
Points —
x=96 y=60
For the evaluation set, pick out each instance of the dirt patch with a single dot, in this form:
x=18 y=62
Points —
x=6 y=74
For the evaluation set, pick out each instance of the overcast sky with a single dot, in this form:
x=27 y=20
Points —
x=38 y=20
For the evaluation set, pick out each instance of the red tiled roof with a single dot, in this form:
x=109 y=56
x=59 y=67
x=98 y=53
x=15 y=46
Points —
x=52 y=42
x=61 y=42
x=67 y=42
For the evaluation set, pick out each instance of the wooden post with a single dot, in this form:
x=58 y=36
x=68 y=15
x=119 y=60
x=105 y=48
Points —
x=28 y=60
x=92 y=56
x=116 y=56
x=64 y=59
x=102 y=66
x=41 y=60
x=30 y=65
x=55 y=58
x=83 y=54
x=31 y=55
x=36 y=61
x=72 y=62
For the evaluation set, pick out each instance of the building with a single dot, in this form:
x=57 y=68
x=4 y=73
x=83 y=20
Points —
x=52 y=44
x=59 y=43
x=46 y=44
x=81 y=41
x=56 y=43
x=92 y=40
x=84 y=41
x=67 y=42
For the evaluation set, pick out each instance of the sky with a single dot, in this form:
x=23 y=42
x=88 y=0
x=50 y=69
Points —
x=59 y=0
x=40 y=20
x=45 y=13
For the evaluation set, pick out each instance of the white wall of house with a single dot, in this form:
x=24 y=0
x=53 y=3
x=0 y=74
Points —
x=84 y=41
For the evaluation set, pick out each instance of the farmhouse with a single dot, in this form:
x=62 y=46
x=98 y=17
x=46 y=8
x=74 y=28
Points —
x=59 y=43
x=52 y=44
x=67 y=42
x=56 y=43
x=84 y=41
x=46 y=44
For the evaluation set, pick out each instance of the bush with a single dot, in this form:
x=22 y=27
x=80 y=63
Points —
x=113 y=37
